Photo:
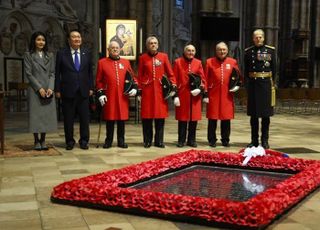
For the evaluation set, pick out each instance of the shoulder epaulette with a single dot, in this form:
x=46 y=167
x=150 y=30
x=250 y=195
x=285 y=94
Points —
x=271 y=47
x=248 y=48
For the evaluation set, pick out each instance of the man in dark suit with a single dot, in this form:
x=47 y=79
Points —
x=74 y=85
x=260 y=72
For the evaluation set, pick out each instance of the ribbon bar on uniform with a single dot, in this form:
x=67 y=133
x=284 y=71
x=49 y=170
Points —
x=260 y=74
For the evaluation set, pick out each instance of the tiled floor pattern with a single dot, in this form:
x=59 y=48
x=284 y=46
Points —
x=26 y=182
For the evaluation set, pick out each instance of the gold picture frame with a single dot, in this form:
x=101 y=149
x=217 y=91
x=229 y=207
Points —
x=124 y=32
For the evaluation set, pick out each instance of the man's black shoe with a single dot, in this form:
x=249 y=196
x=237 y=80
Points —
x=123 y=145
x=160 y=145
x=225 y=144
x=69 y=146
x=192 y=144
x=107 y=145
x=253 y=144
x=180 y=144
x=265 y=144
x=84 y=146
x=213 y=144
x=147 y=145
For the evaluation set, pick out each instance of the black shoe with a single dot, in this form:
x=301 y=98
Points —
x=225 y=144
x=84 y=146
x=37 y=146
x=44 y=146
x=253 y=144
x=213 y=144
x=160 y=145
x=123 y=145
x=265 y=144
x=147 y=145
x=180 y=144
x=107 y=145
x=69 y=146
x=192 y=144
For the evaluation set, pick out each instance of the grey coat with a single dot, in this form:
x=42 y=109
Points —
x=40 y=74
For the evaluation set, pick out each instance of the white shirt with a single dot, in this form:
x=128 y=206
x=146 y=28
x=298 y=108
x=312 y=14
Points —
x=73 y=53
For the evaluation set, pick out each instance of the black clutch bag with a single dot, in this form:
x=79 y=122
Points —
x=166 y=87
x=194 y=80
x=45 y=100
x=234 y=83
x=128 y=83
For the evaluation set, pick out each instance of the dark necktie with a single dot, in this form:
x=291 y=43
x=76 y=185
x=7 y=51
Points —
x=76 y=60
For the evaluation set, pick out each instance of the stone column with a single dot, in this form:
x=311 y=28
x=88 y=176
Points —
x=112 y=8
x=132 y=9
x=148 y=17
x=272 y=22
x=219 y=7
x=259 y=15
x=207 y=5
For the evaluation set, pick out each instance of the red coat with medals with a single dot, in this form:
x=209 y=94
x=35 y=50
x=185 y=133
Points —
x=150 y=72
x=218 y=74
x=190 y=106
x=111 y=78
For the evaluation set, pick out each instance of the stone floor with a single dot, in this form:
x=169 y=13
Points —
x=26 y=182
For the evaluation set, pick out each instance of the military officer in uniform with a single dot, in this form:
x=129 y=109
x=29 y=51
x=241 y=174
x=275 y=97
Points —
x=260 y=71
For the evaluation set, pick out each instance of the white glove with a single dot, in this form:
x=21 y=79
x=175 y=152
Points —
x=172 y=93
x=139 y=98
x=205 y=100
x=195 y=92
x=103 y=99
x=176 y=101
x=132 y=92
x=235 y=89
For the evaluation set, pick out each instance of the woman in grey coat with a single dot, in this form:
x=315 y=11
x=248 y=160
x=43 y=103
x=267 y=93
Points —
x=39 y=70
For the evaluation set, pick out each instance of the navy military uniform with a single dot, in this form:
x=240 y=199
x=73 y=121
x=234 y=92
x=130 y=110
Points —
x=260 y=71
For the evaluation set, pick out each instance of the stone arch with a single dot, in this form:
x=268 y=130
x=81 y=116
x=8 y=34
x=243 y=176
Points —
x=55 y=33
x=18 y=25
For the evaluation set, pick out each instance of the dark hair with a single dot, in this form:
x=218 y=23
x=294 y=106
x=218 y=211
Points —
x=32 y=46
x=73 y=30
x=120 y=26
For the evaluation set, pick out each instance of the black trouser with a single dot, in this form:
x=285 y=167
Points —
x=110 y=131
x=148 y=131
x=225 y=130
x=265 y=123
x=182 y=131
x=70 y=107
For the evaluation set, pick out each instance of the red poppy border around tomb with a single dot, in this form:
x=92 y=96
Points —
x=108 y=190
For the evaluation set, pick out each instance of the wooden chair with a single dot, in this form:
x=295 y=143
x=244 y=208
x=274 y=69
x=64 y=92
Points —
x=19 y=95
x=299 y=96
x=284 y=100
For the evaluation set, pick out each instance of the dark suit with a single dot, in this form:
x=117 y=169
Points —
x=260 y=71
x=74 y=87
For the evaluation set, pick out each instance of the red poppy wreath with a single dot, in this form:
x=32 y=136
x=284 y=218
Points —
x=211 y=180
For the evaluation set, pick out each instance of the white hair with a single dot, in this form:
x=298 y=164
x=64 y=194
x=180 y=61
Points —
x=187 y=46
x=151 y=38
x=258 y=31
